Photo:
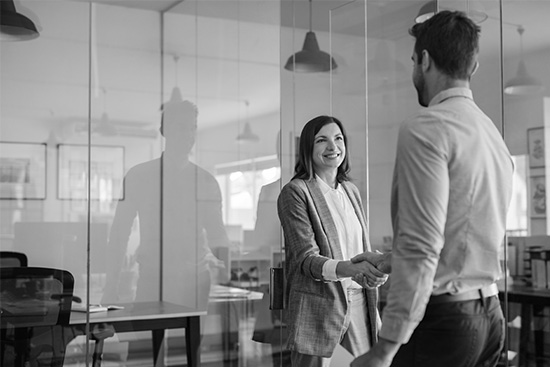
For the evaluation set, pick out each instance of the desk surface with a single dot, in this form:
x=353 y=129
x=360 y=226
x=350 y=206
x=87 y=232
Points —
x=137 y=311
x=521 y=293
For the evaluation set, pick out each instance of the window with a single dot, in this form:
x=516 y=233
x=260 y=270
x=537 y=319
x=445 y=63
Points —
x=517 y=213
x=241 y=183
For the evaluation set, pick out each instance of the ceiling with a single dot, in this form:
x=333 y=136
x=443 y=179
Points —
x=386 y=19
x=532 y=14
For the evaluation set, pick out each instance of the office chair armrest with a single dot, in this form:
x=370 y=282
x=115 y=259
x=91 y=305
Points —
x=60 y=296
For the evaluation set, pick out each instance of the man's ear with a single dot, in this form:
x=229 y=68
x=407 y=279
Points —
x=476 y=66
x=426 y=60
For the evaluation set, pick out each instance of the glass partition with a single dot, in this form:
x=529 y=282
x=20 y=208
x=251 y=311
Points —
x=348 y=84
x=143 y=148
x=47 y=175
x=526 y=83
x=220 y=62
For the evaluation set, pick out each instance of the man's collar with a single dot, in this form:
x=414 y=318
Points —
x=451 y=92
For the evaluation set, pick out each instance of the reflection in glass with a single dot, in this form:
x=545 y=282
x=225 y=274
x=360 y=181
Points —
x=178 y=207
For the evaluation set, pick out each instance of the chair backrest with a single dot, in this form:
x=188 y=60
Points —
x=10 y=259
x=33 y=296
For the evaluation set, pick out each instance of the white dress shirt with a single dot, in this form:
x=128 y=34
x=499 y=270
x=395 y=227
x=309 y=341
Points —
x=451 y=189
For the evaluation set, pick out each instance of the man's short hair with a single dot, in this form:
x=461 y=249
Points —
x=452 y=40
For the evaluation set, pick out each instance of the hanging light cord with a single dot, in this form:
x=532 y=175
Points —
x=310 y=15
x=520 y=31
x=246 y=103
x=176 y=70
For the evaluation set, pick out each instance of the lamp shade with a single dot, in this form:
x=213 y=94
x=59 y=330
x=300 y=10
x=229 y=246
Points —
x=426 y=11
x=247 y=136
x=311 y=59
x=15 y=26
x=523 y=83
x=474 y=11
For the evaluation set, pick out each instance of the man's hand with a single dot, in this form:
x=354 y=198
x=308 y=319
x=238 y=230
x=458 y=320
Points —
x=378 y=259
x=364 y=273
x=368 y=282
x=381 y=355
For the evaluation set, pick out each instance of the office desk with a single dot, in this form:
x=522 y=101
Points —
x=144 y=316
x=532 y=300
x=235 y=307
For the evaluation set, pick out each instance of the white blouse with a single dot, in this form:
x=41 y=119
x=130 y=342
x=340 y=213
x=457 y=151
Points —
x=350 y=233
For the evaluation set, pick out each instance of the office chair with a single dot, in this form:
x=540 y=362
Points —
x=10 y=259
x=35 y=312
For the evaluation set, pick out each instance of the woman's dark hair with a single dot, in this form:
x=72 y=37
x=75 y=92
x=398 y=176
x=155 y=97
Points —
x=304 y=165
x=451 y=39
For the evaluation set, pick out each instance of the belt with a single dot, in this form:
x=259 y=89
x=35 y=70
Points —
x=487 y=291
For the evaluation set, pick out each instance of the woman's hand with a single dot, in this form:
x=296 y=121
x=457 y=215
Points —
x=363 y=273
x=378 y=259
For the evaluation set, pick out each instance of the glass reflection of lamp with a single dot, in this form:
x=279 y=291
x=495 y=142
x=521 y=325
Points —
x=523 y=83
x=104 y=126
x=311 y=59
x=247 y=136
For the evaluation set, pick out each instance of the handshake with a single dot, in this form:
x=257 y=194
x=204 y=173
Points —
x=370 y=269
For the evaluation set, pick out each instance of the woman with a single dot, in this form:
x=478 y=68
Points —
x=324 y=225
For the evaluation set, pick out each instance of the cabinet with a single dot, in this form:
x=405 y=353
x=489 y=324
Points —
x=250 y=267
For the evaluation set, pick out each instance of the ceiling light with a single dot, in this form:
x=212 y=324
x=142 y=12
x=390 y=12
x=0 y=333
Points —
x=426 y=11
x=523 y=83
x=247 y=136
x=474 y=11
x=311 y=59
x=15 y=26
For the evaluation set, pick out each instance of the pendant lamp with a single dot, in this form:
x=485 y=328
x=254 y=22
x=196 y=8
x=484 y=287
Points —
x=247 y=136
x=427 y=11
x=311 y=59
x=523 y=83
x=473 y=10
x=104 y=126
x=15 y=26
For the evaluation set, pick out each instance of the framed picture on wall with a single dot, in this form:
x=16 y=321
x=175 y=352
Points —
x=22 y=170
x=106 y=172
x=538 y=197
x=535 y=147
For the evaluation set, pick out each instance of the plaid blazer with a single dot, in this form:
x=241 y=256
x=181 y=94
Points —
x=315 y=308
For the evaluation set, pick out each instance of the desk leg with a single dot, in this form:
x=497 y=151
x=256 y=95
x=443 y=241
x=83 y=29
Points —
x=192 y=341
x=21 y=347
x=98 y=353
x=524 y=333
x=539 y=335
x=158 y=337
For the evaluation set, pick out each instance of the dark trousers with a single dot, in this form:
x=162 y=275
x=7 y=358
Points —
x=456 y=334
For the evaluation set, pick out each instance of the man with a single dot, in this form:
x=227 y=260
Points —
x=451 y=190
